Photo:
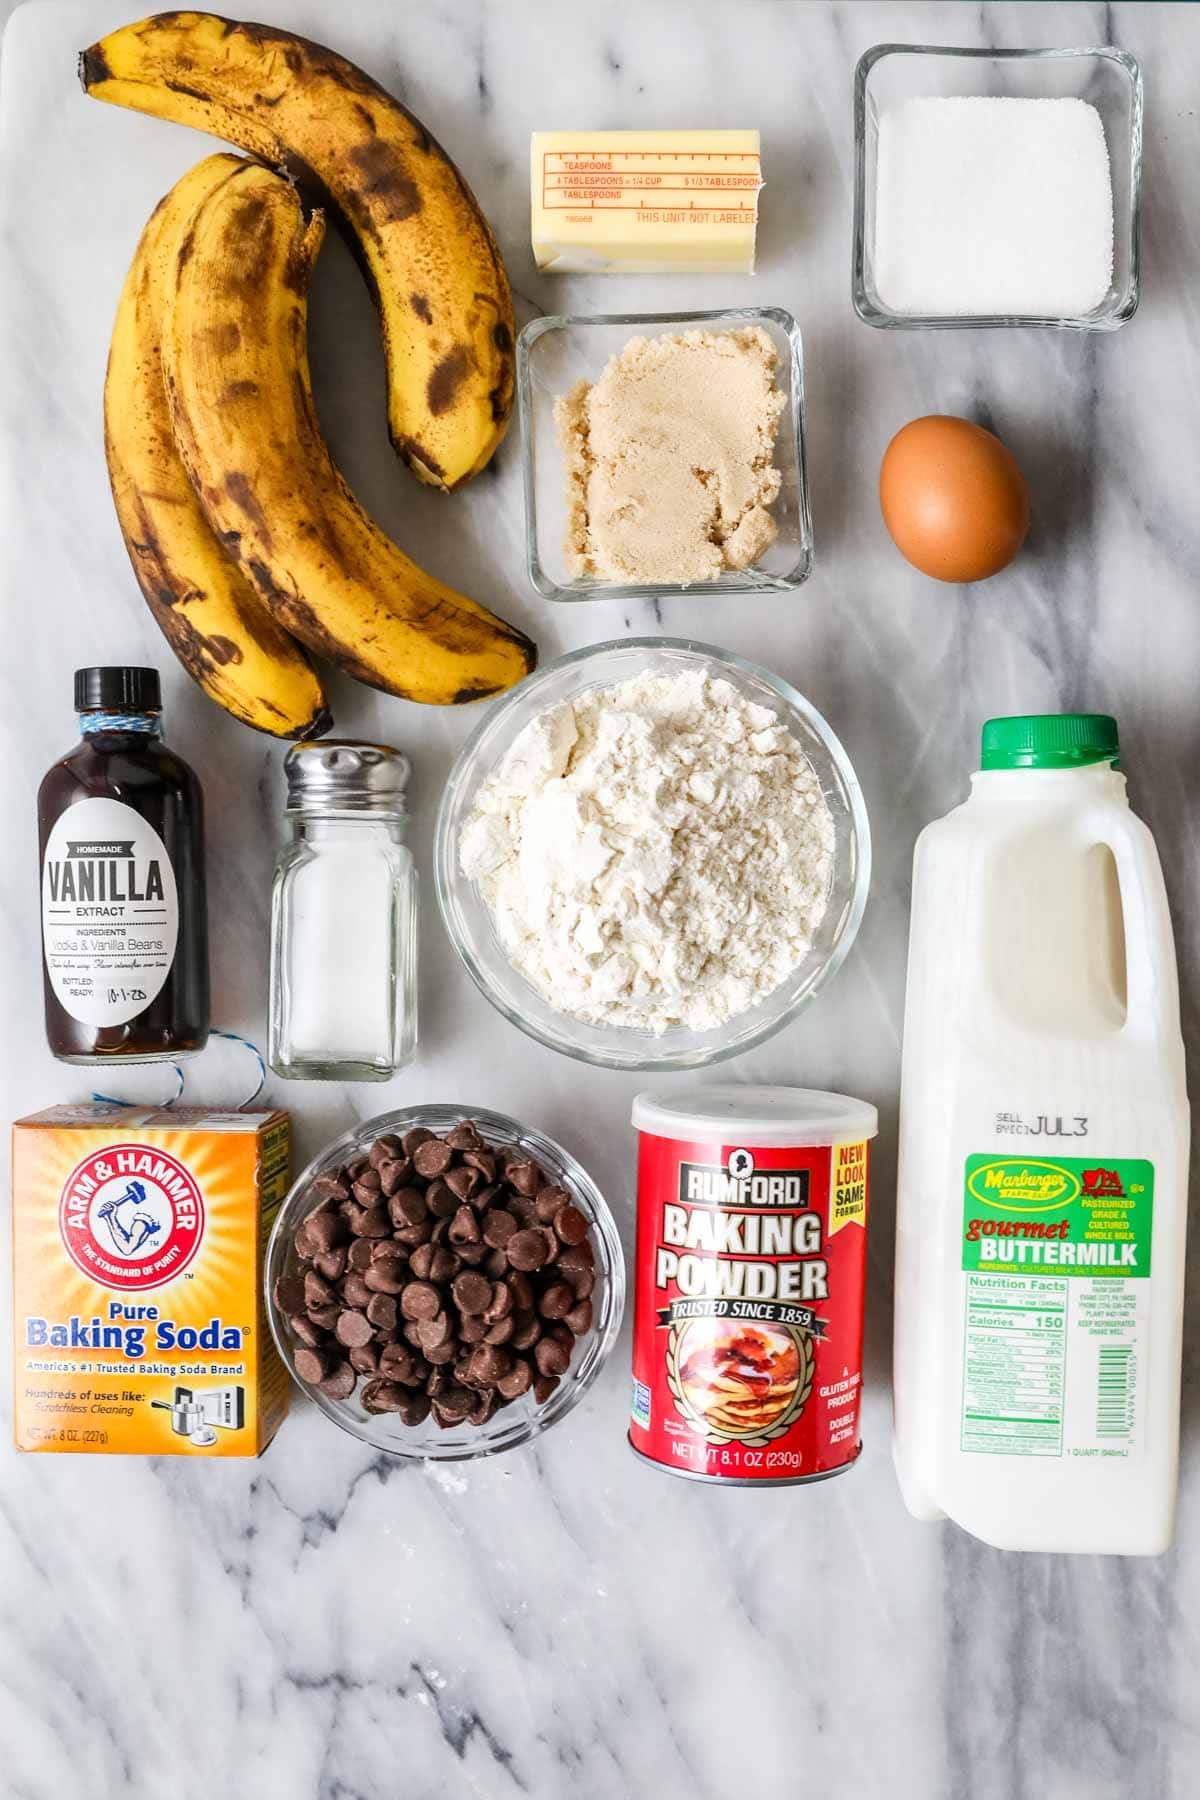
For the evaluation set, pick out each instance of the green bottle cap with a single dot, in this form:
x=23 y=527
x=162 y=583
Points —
x=1049 y=741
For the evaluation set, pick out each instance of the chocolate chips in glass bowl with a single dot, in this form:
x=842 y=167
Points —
x=439 y=1277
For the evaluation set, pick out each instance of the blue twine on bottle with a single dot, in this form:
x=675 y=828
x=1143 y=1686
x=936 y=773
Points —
x=181 y=1078
x=91 y=722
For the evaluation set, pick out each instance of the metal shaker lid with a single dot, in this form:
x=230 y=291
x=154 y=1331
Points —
x=338 y=775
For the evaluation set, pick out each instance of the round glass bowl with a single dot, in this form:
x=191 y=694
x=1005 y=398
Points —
x=470 y=923
x=523 y=1419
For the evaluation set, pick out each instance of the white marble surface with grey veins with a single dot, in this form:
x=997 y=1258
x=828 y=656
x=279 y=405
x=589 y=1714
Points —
x=564 y=1623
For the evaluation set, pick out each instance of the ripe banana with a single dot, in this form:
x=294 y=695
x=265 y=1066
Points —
x=428 y=252
x=220 y=630
x=237 y=379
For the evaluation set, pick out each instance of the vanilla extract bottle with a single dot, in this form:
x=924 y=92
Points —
x=124 y=919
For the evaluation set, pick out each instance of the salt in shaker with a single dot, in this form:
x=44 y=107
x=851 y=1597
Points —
x=344 y=917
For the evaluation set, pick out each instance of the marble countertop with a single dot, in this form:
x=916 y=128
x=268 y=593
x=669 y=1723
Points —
x=563 y=1623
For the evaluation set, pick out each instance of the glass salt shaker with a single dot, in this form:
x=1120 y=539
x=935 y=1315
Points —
x=344 y=918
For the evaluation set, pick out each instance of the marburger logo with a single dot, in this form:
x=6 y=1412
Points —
x=1017 y=1184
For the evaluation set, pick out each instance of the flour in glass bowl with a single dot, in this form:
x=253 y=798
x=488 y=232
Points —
x=655 y=853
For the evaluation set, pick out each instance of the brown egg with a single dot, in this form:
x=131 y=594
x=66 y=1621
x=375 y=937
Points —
x=953 y=499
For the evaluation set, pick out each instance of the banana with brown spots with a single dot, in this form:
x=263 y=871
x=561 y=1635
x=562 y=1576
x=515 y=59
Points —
x=236 y=366
x=429 y=255
x=222 y=633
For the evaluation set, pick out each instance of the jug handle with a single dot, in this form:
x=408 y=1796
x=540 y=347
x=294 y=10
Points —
x=1152 y=982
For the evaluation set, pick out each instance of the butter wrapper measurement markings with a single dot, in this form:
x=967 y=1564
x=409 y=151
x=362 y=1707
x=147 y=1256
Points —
x=658 y=202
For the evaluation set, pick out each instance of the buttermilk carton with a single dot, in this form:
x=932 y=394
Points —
x=139 y=1238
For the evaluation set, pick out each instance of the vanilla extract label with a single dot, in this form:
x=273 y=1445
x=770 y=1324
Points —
x=110 y=912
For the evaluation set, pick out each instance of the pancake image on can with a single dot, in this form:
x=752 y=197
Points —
x=739 y=1381
x=749 y=1282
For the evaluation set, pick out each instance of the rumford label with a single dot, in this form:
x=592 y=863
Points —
x=1056 y=1253
x=110 y=912
x=138 y=1241
x=748 y=1307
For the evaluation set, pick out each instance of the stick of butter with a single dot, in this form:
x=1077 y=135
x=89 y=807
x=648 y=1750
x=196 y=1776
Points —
x=645 y=202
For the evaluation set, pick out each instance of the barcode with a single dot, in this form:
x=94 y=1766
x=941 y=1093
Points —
x=1114 y=1408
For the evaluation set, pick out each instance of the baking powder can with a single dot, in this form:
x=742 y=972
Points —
x=749 y=1282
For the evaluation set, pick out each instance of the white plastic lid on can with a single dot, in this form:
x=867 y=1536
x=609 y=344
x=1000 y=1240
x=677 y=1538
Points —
x=738 y=1113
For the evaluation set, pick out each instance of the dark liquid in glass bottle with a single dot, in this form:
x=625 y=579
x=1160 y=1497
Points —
x=124 y=918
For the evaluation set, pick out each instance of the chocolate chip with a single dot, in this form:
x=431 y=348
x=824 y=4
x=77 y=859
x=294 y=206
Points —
x=525 y=1177
x=495 y=1264
x=550 y=1201
x=550 y=1357
x=383 y=1397
x=463 y=1182
x=310 y=1365
x=473 y=1254
x=317 y=1291
x=395 y=1361
x=289 y=1293
x=407 y=1207
x=576 y=1256
x=381 y=1310
x=412 y=1236
x=445 y=1264
x=483 y=1409
x=582 y=1280
x=353 y=1328
x=332 y=1265
x=556 y=1301
x=489 y=1364
x=570 y=1225
x=500 y=1332
x=359 y=1254
x=472 y=1293
x=385 y=1278
x=464 y=1227
x=375 y=1223
x=441 y=1202
x=324 y=1231
x=420 y=1300
x=473 y=1329
x=543 y=1387
x=521 y=1289
x=434 y=1332
x=527 y=1250
x=365 y=1358
x=580 y=1318
x=306 y=1331
x=497 y=1226
x=414 y=1138
x=501 y=1302
x=357 y=1289
x=324 y=1316
x=384 y=1150
x=340 y=1382
x=526 y=1330
x=395 y=1175
x=414 y=1408
x=431 y=1158
x=421 y=1261
x=369 y=1184
x=453 y=1404
x=517 y=1381
x=465 y=1136
x=331 y=1186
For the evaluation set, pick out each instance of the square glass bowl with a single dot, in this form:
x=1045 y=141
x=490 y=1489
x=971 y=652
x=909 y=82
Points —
x=1109 y=79
x=555 y=353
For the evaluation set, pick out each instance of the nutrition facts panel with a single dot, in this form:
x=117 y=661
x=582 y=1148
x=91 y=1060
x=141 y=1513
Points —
x=1014 y=1365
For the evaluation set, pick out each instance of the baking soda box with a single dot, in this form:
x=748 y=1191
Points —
x=139 y=1237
